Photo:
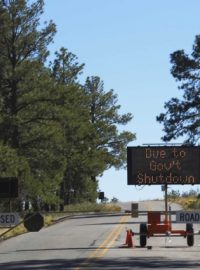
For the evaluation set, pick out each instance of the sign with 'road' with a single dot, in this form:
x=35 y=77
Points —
x=8 y=219
x=188 y=217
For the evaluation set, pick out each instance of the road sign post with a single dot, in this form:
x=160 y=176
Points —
x=134 y=210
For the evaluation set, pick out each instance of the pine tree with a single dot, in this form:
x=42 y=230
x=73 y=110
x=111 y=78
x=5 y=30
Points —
x=52 y=127
x=28 y=121
x=77 y=129
x=109 y=143
x=65 y=67
x=182 y=116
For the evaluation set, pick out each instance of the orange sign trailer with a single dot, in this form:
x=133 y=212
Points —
x=156 y=164
x=154 y=227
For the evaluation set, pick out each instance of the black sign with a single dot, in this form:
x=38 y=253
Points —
x=33 y=222
x=163 y=165
x=101 y=195
x=8 y=187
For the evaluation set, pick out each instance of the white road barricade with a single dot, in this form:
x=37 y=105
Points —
x=8 y=219
x=187 y=217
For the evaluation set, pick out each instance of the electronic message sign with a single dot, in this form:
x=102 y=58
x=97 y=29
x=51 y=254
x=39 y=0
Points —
x=163 y=165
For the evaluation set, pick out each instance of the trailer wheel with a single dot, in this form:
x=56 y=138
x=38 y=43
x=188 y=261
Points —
x=190 y=235
x=143 y=234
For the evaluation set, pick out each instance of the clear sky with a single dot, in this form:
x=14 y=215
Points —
x=128 y=44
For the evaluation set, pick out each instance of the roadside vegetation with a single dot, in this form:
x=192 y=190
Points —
x=70 y=210
x=189 y=200
x=91 y=207
x=59 y=131
x=57 y=135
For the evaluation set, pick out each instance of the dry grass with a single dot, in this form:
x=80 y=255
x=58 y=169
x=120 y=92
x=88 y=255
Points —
x=188 y=203
x=91 y=207
x=20 y=229
x=50 y=218
x=12 y=231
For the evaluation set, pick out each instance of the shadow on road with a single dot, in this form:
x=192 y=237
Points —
x=108 y=264
x=168 y=248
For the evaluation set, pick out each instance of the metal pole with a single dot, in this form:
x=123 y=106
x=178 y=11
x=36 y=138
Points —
x=166 y=205
x=10 y=197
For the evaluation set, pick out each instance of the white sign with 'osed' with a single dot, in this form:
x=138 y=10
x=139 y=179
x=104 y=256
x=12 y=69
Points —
x=8 y=219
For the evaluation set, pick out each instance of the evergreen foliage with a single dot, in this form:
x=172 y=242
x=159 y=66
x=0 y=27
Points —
x=56 y=135
x=105 y=118
x=182 y=116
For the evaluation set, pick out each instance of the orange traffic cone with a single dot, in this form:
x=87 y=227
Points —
x=130 y=242
x=127 y=235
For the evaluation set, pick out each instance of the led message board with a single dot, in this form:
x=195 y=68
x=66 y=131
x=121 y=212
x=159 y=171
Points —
x=163 y=165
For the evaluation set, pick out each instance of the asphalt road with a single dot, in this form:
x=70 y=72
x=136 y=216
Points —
x=95 y=242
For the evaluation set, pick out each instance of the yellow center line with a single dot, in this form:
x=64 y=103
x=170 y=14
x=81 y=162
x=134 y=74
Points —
x=106 y=244
x=109 y=238
x=110 y=244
